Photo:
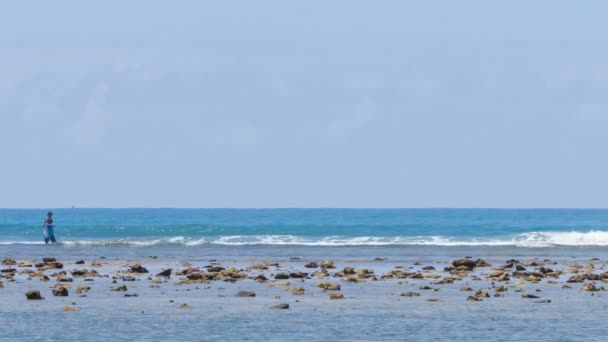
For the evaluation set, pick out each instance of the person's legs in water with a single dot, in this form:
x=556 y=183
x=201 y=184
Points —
x=51 y=235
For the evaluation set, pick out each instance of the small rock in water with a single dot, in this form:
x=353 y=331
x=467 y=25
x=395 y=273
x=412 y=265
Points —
x=474 y=299
x=60 y=291
x=410 y=294
x=79 y=262
x=336 y=296
x=282 y=306
x=544 y=301
x=245 y=294
x=69 y=308
x=165 y=273
x=530 y=296
x=185 y=306
x=33 y=295
x=119 y=288
x=137 y=268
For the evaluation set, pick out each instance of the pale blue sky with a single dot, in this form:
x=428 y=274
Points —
x=315 y=104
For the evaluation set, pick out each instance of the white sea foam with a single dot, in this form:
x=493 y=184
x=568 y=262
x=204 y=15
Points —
x=530 y=239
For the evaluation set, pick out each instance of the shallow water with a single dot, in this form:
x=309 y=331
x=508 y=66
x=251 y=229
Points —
x=372 y=311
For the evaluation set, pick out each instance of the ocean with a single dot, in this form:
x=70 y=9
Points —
x=525 y=228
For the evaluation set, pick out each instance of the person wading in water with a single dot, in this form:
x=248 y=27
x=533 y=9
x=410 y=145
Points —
x=48 y=228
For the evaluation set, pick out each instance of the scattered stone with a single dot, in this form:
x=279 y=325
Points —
x=336 y=296
x=466 y=288
x=297 y=275
x=501 y=288
x=327 y=264
x=166 y=273
x=79 y=262
x=131 y=295
x=9 y=262
x=69 y=308
x=119 y=288
x=474 y=299
x=137 y=268
x=282 y=306
x=60 y=291
x=410 y=294
x=281 y=276
x=482 y=294
x=544 y=301
x=311 y=265
x=298 y=292
x=530 y=296
x=591 y=287
x=328 y=286
x=260 y=278
x=185 y=306
x=468 y=264
x=245 y=294
x=80 y=289
x=33 y=295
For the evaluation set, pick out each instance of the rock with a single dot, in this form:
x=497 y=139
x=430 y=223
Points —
x=80 y=289
x=119 y=288
x=327 y=264
x=591 y=287
x=481 y=263
x=426 y=287
x=428 y=268
x=64 y=279
x=245 y=294
x=69 y=308
x=281 y=276
x=467 y=288
x=137 y=268
x=311 y=265
x=8 y=270
x=328 y=286
x=520 y=268
x=410 y=294
x=530 y=296
x=474 y=299
x=282 y=306
x=466 y=263
x=215 y=269
x=9 y=262
x=379 y=259
x=165 y=273
x=48 y=259
x=297 y=275
x=501 y=288
x=79 y=262
x=33 y=295
x=482 y=294
x=131 y=295
x=260 y=278
x=566 y=287
x=348 y=271
x=60 y=291
x=298 y=292
x=544 y=301
x=185 y=306
x=336 y=296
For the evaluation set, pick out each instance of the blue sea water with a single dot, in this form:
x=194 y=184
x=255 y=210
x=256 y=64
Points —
x=311 y=227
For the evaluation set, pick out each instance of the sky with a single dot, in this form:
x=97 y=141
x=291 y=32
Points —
x=303 y=104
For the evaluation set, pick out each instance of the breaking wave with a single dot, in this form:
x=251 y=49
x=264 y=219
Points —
x=530 y=240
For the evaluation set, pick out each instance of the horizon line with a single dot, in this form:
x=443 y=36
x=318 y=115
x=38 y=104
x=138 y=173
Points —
x=311 y=208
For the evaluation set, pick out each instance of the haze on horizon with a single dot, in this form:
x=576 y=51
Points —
x=312 y=104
